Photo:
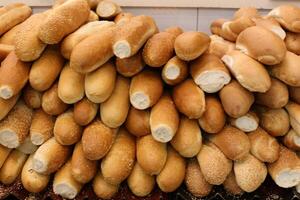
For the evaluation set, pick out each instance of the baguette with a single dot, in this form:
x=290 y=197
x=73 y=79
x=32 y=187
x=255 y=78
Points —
x=210 y=73
x=7 y=104
x=4 y=153
x=102 y=188
x=145 y=89
x=107 y=9
x=5 y=49
x=100 y=83
x=247 y=123
x=15 y=127
x=175 y=71
x=292 y=42
x=271 y=24
x=93 y=17
x=219 y=47
x=27 y=146
x=46 y=69
x=13 y=76
x=293 y=109
x=9 y=36
x=151 y=154
x=32 y=97
x=137 y=122
x=295 y=94
x=85 y=111
x=292 y=140
x=231 y=186
x=117 y=165
x=175 y=30
x=189 y=99
x=122 y=18
x=131 y=66
x=190 y=45
x=63 y=20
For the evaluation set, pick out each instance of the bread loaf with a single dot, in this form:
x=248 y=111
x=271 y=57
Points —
x=291 y=140
x=246 y=12
x=123 y=17
x=5 y=49
x=102 y=188
x=175 y=30
x=295 y=94
x=85 y=111
x=219 y=47
x=231 y=186
x=293 y=109
x=27 y=146
x=7 y=104
x=4 y=152
x=32 y=97
x=137 y=122
x=271 y=24
x=292 y=42
x=130 y=66
x=93 y=17
x=9 y=36
x=247 y=123
x=107 y=9
x=174 y=71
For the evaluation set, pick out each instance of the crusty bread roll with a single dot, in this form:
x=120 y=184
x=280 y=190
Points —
x=4 y=152
x=263 y=146
x=13 y=14
x=114 y=110
x=85 y=111
x=31 y=180
x=46 y=69
x=249 y=38
x=174 y=71
x=93 y=17
x=132 y=35
x=292 y=140
x=231 y=186
x=293 y=110
x=175 y=30
x=64 y=184
x=173 y=173
x=66 y=131
x=50 y=156
x=102 y=188
x=28 y=46
x=247 y=76
x=41 y=128
x=213 y=164
x=189 y=99
x=63 y=20
x=195 y=181
x=219 y=47
x=271 y=24
x=5 y=49
x=287 y=71
x=70 y=85
x=32 y=97
x=92 y=3
x=216 y=26
x=159 y=49
x=123 y=17
x=295 y=94
x=7 y=104
x=100 y=83
x=131 y=66
x=246 y=11
x=188 y=139
x=145 y=89
x=15 y=127
x=286 y=170
x=250 y=173
x=13 y=75
x=247 y=123
x=9 y=36
x=190 y=45
x=117 y=165
x=235 y=99
x=139 y=182
x=137 y=122
x=12 y=167
x=96 y=140
x=82 y=169
x=292 y=42
x=27 y=146
x=107 y=9
x=151 y=154
x=164 y=119
x=209 y=72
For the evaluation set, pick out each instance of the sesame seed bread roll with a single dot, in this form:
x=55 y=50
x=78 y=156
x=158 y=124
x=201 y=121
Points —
x=13 y=14
x=137 y=122
x=85 y=111
x=64 y=184
x=117 y=165
x=27 y=146
x=292 y=140
x=97 y=139
x=41 y=128
x=295 y=94
x=114 y=110
x=164 y=119
x=12 y=167
x=50 y=156
x=107 y=9
x=100 y=83
x=189 y=99
x=102 y=188
x=246 y=12
x=132 y=35
x=219 y=47
x=145 y=89
x=286 y=170
x=293 y=109
x=190 y=45
x=13 y=75
x=66 y=130
x=159 y=49
x=15 y=127
x=46 y=69
x=5 y=49
x=271 y=24
x=151 y=154
x=63 y=20
x=247 y=123
x=175 y=30
x=173 y=173
x=276 y=97
x=28 y=46
x=233 y=142
x=9 y=36
x=263 y=146
x=195 y=181
x=7 y=104
x=32 y=97
x=214 y=165
x=93 y=17
x=287 y=71
x=188 y=139
x=70 y=85
x=4 y=152
x=131 y=66
x=292 y=42
x=123 y=17
x=174 y=71
x=231 y=186
x=82 y=169
x=247 y=76
x=69 y=42
x=209 y=73
x=235 y=99
x=139 y=182
x=250 y=173
x=31 y=180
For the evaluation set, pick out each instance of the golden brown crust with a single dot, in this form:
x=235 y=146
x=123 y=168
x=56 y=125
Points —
x=102 y=188
x=93 y=16
x=219 y=47
x=107 y=9
x=9 y=37
x=292 y=42
x=293 y=109
x=85 y=111
x=32 y=97
x=295 y=94
x=131 y=66
x=175 y=71
x=291 y=140
x=137 y=122
x=231 y=186
x=5 y=49
x=123 y=17
x=7 y=104
x=175 y=30
x=4 y=152
x=246 y=12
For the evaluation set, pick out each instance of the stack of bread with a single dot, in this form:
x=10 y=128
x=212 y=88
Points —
x=112 y=100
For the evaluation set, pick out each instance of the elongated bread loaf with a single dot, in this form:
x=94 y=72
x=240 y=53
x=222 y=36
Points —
x=231 y=186
x=175 y=30
x=32 y=97
x=174 y=71
x=247 y=123
x=271 y=24
x=137 y=122
x=293 y=110
x=85 y=111
x=107 y=9
x=123 y=17
x=4 y=152
x=219 y=47
x=292 y=140
x=5 y=49
x=130 y=66
x=27 y=146
x=9 y=37
x=7 y=104
x=102 y=188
